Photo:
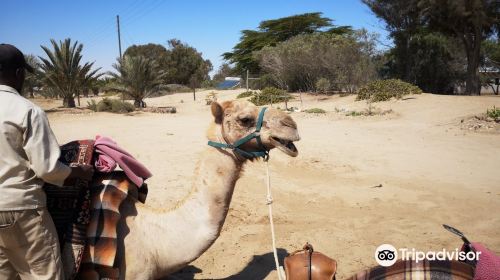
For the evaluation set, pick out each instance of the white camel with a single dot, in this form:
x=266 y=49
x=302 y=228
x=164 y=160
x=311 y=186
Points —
x=158 y=242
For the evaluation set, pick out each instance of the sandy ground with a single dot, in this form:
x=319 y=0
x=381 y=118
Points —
x=432 y=171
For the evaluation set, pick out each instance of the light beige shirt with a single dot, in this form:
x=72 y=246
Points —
x=29 y=153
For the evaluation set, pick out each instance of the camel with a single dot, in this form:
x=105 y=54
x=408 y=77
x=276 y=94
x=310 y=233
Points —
x=158 y=242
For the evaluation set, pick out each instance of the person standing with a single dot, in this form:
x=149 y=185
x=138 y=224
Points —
x=29 y=154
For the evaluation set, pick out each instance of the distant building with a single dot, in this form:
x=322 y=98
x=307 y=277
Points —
x=230 y=83
x=490 y=77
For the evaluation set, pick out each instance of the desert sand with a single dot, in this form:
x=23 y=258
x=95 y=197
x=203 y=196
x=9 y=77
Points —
x=357 y=183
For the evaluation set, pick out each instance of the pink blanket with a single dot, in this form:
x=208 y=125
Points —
x=110 y=155
x=488 y=267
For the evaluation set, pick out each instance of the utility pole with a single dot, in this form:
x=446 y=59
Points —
x=119 y=38
x=119 y=45
x=247 y=78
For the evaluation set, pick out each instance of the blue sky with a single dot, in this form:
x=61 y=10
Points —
x=212 y=27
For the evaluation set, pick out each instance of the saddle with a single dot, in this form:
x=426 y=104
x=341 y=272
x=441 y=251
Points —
x=306 y=264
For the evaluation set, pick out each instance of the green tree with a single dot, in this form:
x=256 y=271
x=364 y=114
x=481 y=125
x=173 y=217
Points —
x=472 y=21
x=155 y=52
x=186 y=65
x=435 y=63
x=271 y=32
x=33 y=80
x=491 y=51
x=151 y=51
x=323 y=85
x=438 y=62
x=403 y=20
x=299 y=62
x=63 y=72
x=137 y=77
x=490 y=64
x=88 y=83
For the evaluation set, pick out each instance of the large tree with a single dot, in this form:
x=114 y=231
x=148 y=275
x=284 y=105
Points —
x=33 y=80
x=186 y=65
x=437 y=62
x=137 y=77
x=472 y=21
x=271 y=32
x=63 y=72
x=300 y=62
x=402 y=20
x=154 y=52
x=151 y=51
x=490 y=64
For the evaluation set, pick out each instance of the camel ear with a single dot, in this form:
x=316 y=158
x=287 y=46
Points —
x=217 y=112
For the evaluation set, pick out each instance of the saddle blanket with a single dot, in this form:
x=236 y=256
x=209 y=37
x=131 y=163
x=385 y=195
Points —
x=423 y=270
x=86 y=214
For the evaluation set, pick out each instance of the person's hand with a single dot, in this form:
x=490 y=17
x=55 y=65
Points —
x=84 y=172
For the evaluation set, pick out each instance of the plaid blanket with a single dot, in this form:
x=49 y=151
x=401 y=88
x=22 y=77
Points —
x=86 y=215
x=423 y=270
x=106 y=197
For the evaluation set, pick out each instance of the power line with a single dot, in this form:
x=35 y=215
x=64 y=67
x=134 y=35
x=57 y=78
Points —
x=152 y=7
x=134 y=9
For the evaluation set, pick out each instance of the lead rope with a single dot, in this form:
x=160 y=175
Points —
x=269 y=202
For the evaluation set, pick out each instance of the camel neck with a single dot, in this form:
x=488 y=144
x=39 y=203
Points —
x=197 y=221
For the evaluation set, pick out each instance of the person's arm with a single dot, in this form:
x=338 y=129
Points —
x=43 y=151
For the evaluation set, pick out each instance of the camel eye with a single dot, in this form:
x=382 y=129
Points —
x=246 y=121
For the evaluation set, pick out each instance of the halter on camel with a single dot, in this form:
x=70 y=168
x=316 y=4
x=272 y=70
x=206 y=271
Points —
x=263 y=153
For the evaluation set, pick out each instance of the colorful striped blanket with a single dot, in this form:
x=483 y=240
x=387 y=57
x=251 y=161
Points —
x=86 y=215
x=423 y=270
x=107 y=194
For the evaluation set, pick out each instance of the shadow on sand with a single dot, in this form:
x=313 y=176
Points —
x=258 y=268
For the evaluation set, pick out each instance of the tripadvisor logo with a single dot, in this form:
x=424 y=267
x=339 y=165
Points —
x=387 y=255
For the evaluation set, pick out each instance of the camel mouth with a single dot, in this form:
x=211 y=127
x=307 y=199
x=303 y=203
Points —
x=285 y=146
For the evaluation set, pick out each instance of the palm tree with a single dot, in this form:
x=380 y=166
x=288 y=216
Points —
x=138 y=77
x=87 y=83
x=34 y=79
x=62 y=70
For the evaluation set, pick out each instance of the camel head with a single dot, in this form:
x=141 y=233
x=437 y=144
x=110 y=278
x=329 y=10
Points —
x=239 y=118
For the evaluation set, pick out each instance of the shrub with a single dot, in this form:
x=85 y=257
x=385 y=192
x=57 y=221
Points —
x=92 y=105
x=354 y=114
x=315 y=111
x=110 y=105
x=110 y=93
x=161 y=110
x=383 y=90
x=323 y=85
x=270 y=95
x=344 y=60
x=246 y=94
x=493 y=113
x=370 y=111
